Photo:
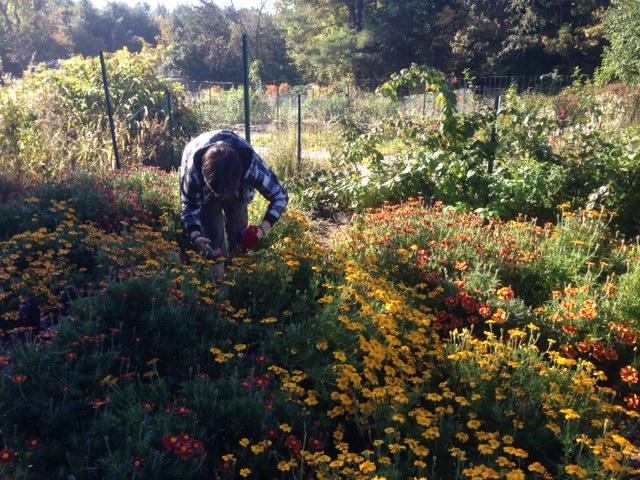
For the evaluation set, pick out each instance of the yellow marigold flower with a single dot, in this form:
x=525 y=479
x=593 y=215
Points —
x=474 y=424
x=611 y=464
x=516 y=475
x=244 y=442
x=420 y=464
x=485 y=449
x=284 y=466
x=462 y=437
x=245 y=472
x=570 y=414
x=458 y=453
x=553 y=427
x=516 y=452
x=229 y=457
x=340 y=356
x=286 y=428
x=576 y=471
x=367 y=467
x=396 y=447
x=322 y=346
x=537 y=467
x=326 y=299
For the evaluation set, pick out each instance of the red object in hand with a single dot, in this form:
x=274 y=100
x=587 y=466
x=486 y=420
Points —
x=249 y=238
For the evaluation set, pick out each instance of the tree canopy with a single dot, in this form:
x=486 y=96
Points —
x=326 y=41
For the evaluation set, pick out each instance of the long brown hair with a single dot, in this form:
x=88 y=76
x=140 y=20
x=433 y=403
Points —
x=222 y=170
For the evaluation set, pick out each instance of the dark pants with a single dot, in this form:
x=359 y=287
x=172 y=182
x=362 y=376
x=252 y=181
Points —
x=228 y=215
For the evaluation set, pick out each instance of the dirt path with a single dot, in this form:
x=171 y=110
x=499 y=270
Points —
x=330 y=227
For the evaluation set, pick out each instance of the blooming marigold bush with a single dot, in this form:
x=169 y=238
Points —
x=412 y=350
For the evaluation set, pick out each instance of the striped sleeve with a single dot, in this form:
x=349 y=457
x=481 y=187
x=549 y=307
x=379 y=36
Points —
x=263 y=179
x=191 y=195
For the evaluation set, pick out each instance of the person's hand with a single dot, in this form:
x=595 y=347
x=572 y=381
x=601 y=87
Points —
x=204 y=244
x=250 y=238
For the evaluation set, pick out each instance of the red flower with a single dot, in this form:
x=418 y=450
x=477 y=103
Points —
x=246 y=384
x=97 y=404
x=469 y=304
x=294 y=444
x=182 y=411
x=7 y=456
x=451 y=302
x=184 y=450
x=570 y=330
x=19 y=379
x=137 y=463
x=169 y=442
x=261 y=360
x=33 y=443
x=485 y=310
x=273 y=433
x=629 y=374
x=633 y=401
x=316 y=445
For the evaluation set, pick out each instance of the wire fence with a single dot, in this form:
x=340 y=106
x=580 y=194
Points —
x=296 y=128
x=297 y=136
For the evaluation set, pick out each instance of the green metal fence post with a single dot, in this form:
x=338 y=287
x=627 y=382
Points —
x=299 y=132
x=112 y=126
x=247 y=112
x=171 y=151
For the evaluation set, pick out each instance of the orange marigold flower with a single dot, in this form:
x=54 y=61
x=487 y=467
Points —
x=484 y=310
x=505 y=293
x=611 y=289
x=629 y=374
x=499 y=317
x=462 y=266
x=632 y=401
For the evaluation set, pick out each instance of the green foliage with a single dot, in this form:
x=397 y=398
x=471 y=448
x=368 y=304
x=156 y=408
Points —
x=621 y=61
x=425 y=79
x=36 y=141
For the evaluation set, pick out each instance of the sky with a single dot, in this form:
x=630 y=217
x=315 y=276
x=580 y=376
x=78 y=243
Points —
x=170 y=4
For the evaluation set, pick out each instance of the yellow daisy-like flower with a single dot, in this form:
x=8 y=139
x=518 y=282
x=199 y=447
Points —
x=245 y=472
x=537 y=467
x=244 y=442
x=576 y=471
x=367 y=467
x=516 y=475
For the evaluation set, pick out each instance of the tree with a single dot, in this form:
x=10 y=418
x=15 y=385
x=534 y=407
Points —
x=114 y=27
x=528 y=36
x=199 y=41
x=621 y=59
x=267 y=45
x=32 y=31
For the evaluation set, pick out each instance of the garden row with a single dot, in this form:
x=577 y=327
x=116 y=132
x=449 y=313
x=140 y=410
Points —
x=426 y=343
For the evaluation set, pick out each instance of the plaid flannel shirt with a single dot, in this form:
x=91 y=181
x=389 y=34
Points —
x=258 y=176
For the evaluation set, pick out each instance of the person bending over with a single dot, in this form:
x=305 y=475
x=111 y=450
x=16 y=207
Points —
x=219 y=176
